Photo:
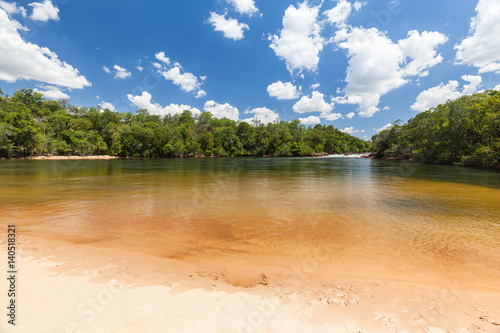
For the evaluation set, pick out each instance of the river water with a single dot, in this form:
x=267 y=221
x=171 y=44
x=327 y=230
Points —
x=335 y=215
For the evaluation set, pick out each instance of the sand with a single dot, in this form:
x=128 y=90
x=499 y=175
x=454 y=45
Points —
x=65 y=287
x=90 y=157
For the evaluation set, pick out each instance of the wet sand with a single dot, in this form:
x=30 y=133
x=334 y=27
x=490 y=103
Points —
x=73 y=157
x=96 y=288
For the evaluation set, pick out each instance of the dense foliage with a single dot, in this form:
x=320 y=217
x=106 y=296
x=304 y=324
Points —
x=30 y=125
x=465 y=132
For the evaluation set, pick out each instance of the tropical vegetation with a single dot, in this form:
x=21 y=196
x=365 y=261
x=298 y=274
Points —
x=31 y=125
x=465 y=131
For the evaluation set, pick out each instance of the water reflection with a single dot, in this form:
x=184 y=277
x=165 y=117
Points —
x=377 y=217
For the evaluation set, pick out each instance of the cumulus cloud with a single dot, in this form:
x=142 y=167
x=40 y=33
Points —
x=106 y=69
x=161 y=56
x=474 y=82
x=51 y=92
x=121 y=73
x=311 y=120
x=230 y=27
x=330 y=116
x=263 y=115
x=144 y=102
x=481 y=49
x=106 y=105
x=24 y=60
x=315 y=103
x=300 y=41
x=44 y=11
x=188 y=82
x=200 y=93
x=383 y=128
x=246 y=7
x=440 y=94
x=350 y=115
x=222 y=110
x=421 y=49
x=284 y=91
x=377 y=65
x=339 y=14
x=12 y=8
x=315 y=86
x=358 y=5
x=350 y=130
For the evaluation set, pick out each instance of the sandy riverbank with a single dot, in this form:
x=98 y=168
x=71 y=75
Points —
x=92 y=157
x=64 y=287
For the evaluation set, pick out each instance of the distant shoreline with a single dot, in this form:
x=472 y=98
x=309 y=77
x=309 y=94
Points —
x=108 y=157
x=90 y=157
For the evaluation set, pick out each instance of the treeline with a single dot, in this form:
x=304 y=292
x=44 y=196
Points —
x=31 y=125
x=464 y=132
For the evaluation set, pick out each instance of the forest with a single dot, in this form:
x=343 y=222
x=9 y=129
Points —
x=33 y=126
x=465 y=131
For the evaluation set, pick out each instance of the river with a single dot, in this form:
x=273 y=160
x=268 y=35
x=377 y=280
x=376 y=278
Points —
x=343 y=216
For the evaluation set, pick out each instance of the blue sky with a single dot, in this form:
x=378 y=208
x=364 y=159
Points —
x=358 y=65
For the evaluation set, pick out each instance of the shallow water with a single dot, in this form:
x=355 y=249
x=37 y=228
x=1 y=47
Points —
x=336 y=215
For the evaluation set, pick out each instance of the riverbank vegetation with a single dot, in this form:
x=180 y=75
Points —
x=465 y=132
x=33 y=126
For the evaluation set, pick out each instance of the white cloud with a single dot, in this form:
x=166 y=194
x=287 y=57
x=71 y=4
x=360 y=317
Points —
x=315 y=86
x=299 y=42
x=144 y=102
x=434 y=96
x=378 y=66
x=421 y=48
x=24 y=60
x=349 y=130
x=246 y=7
x=263 y=115
x=481 y=49
x=105 y=105
x=284 y=91
x=222 y=110
x=497 y=87
x=140 y=68
x=51 y=92
x=358 y=5
x=384 y=128
x=339 y=14
x=230 y=27
x=106 y=69
x=386 y=108
x=44 y=11
x=330 y=116
x=121 y=73
x=315 y=103
x=178 y=109
x=474 y=82
x=200 y=93
x=311 y=120
x=350 y=115
x=11 y=8
x=161 y=56
x=187 y=81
